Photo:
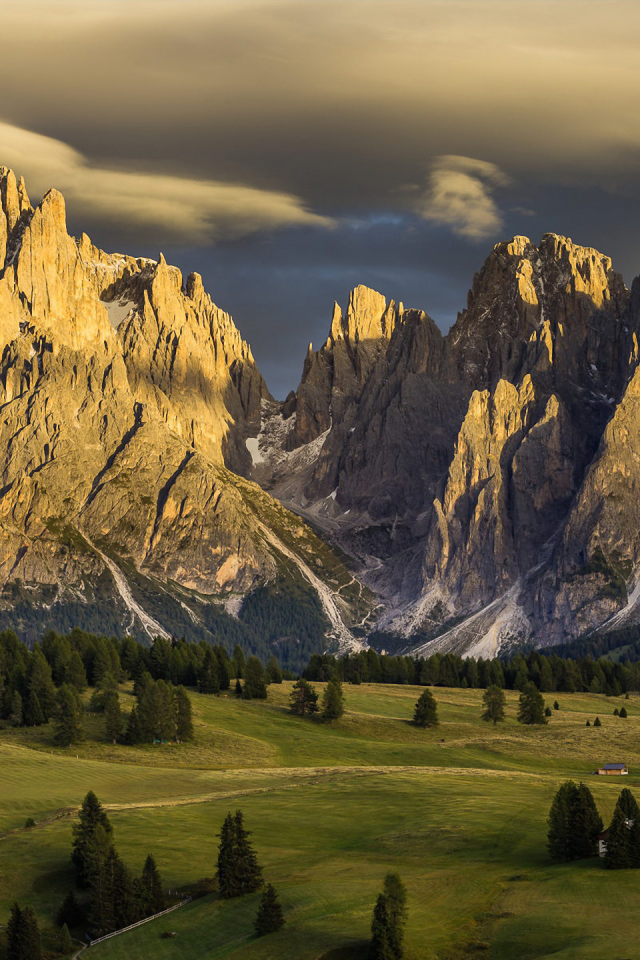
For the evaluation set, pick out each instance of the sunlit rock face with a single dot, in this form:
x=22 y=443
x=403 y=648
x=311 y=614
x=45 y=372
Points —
x=127 y=397
x=483 y=483
x=454 y=468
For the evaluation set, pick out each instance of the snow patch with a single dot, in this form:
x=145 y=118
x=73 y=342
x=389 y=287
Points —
x=253 y=446
x=118 y=310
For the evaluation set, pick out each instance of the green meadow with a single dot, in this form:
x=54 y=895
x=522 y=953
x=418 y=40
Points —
x=459 y=811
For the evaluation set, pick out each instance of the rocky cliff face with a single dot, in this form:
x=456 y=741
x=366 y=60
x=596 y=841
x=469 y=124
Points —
x=465 y=473
x=126 y=400
x=483 y=483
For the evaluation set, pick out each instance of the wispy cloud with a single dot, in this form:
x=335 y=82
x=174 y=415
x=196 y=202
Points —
x=460 y=195
x=182 y=209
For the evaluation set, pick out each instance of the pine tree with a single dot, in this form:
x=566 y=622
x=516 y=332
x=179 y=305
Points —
x=32 y=712
x=68 y=717
x=597 y=722
x=15 y=710
x=616 y=712
x=493 y=701
x=70 y=913
x=238 y=689
x=270 y=916
x=103 y=876
x=274 y=673
x=75 y=674
x=183 y=721
x=426 y=710
x=588 y=723
x=547 y=711
x=65 y=943
x=133 y=734
x=112 y=716
x=255 y=680
x=303 y=699
x=152 y=884
x=23 y=935
x=556 y=705
x=127 y=908
x=381 y=943
x=333 y=701
x=238 y=661
x=209 y=675
x=238 y=869
x=574 y=823
x=620 y=854
x=396 y=896
x=531 y=706
x=91 y=817
x=623 y=712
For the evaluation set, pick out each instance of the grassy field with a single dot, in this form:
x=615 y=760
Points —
x=459 y=811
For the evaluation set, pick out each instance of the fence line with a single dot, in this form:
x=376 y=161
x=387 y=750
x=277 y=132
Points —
x=132 y=926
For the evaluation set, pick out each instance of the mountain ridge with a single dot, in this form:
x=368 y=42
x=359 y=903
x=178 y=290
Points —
x=471 y=490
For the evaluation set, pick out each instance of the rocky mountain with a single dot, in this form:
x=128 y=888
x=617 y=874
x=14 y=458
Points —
x=464 y=492
x=481 y=481
x=126 y=399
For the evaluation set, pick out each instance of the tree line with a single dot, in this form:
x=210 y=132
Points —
x=547 y=672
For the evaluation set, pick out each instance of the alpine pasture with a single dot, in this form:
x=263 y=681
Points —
x=459 y=810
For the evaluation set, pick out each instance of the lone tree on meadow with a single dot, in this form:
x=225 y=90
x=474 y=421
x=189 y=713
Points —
x=333 y=701
x=426 y=710
x=531 y=706
x=270 y=916
x=23 y=935
x=238 y=869
x=493 y=701
x=304 y=699
x=574 y=823
x=389 y=918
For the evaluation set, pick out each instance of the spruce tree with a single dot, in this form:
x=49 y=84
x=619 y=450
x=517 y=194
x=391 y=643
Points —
x=70 y=913
x=620 y=854
x=531 y=706
x=381 y=941
x=270 y=916
x=68 y=717
x=396 y=896
x=133 y=734
x=574 y=823
x=426 y=710
x=183 y=720
x=103 y=876
x=209 y=675
x=597 y=722
x=493 y=701
x=238 y=869
x=238 y=662
x=333 y=701
x=15 y=710
x=32 y=712
x=65 y=943
x=75 y=674
x=623 y=713
x=238 y=689
x=152 y=884
x=23 y=935
x=255 y=680
x=274 y=673
x=91 y=816
x=303 y=699
x=112 y=716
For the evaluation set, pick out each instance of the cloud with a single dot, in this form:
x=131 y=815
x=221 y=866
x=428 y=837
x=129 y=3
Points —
x=459 y=195
x=199 y=211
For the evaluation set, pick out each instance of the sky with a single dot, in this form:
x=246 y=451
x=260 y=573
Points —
x=290 y=149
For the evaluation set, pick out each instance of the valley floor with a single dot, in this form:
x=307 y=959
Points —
x=459 y=811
